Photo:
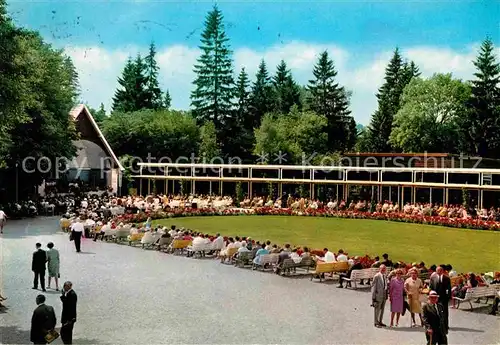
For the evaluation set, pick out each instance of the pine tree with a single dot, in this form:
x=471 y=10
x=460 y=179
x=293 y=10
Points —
x=261 y=97
x=212 y=98
x=352 y=134
x=167 y=100
x=397 y=76
x=140 y=93
x=242 y=94
x=153 y=91
x=99 y=115
x=123 y=100
x=482 y=127
x=327 y=98
x=286 y=91
x=238 y=130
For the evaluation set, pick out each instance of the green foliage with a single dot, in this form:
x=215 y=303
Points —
x=327 y=98
x=270 y=190
x=98 y=115
x=139 y=87
x=38 y=88
x=152 y=87
x=303 y=191
x=209 y=149
x=397 y=76
x=482 y=125
x=161 y=133
x=261 y=97
x=239 y=192
x=167 y=100
x=295 y=134
x=286 y=90
x=212 y=98
x=429 y=115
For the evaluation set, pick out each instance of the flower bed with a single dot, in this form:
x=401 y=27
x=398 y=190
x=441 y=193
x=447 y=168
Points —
x=475 y=224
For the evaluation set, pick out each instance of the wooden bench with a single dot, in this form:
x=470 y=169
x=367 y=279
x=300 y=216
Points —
x=330 y=267
x=201 y=249
x=477 y=293
x=180 y=245
x=358 y=275
x=229 y=253
x=288 y=265
x=133 y=239
x=266 y=261
x=245 y=259
x=163 y=243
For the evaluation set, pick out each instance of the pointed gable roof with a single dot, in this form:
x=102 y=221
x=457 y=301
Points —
x=82 y=108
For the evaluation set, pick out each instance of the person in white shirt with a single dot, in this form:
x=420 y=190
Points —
x=76 y=233
x=295 y=257
x=3 y=220
x=329 y=256
x=237 y=243
x=341 y=257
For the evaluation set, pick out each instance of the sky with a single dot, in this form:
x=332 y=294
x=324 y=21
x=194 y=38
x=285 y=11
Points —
x=440 y=36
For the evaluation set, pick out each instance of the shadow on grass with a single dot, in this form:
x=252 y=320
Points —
x=16 y=335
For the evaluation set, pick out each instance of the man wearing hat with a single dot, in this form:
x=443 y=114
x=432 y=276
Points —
x=434 y=320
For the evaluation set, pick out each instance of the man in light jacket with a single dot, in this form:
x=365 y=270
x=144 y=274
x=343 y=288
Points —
x=379 y=296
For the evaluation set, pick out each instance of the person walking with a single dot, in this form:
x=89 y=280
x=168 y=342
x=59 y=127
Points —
x=396 y=288
x=77 y=229
x=434 y=321
x=53 y=264
x=42 y=322
x=441 y=283
x=38 y=266
x=3 y=220
x=68 y=317
x=379 y=296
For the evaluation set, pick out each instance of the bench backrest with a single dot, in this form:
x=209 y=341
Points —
x=481 y=291
x=366 y=273
x=231 y=251
x=181 y=244
x=322 y=267
x=269 y=259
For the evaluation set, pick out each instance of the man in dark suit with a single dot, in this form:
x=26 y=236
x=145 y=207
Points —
x=441 y=283
x=42 y=321
x=38 y=266
x=434 y=321
x=68 y=317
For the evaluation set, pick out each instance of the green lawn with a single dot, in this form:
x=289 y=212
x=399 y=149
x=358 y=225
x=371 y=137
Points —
x=466 y=250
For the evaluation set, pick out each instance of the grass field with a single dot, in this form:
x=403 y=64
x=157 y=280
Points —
x=466 y=250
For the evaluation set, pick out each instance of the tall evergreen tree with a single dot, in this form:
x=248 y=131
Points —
x=153 y=92
x=327 y=98
x=286 y=90
x=123 y=99
x=242 y=94
x=261 y=96
x=238 y=131
x=212 y=98
x=132 y=93
x=167 y=100
x=482 y=127
x=397 y=76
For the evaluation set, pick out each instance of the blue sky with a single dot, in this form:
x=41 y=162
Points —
x=99 y=35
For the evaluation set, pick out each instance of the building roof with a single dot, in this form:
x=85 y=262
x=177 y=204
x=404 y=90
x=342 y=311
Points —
x=76 y=111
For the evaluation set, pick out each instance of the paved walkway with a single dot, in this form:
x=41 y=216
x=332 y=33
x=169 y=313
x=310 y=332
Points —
x=131 y=296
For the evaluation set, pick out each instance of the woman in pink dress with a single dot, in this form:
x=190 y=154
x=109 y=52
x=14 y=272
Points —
x=396 y=288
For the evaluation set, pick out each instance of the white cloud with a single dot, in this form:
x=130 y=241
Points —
x=99 y=68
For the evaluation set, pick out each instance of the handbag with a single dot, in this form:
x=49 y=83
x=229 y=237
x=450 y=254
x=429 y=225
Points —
x=71 y=236
x=51 y=336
